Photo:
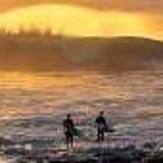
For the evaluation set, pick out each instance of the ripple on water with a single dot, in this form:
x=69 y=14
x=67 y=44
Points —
x=132 y=99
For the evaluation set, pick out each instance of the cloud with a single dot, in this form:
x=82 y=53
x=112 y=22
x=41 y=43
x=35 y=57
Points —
x=146 y=14
x=120 y=5
x=82 y=21
x=138 y=5
x=123 y=5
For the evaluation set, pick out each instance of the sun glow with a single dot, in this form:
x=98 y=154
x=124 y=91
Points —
x=76 y=21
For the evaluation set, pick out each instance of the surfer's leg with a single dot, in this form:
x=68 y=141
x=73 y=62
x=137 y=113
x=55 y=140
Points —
x=72 y=140
x=102 y=135
x=98 y=135
x=67 y=138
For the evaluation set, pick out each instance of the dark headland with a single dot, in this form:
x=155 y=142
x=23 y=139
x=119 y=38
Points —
x=34 y=52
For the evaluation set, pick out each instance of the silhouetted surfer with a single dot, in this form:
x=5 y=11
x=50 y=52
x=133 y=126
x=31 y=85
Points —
x=69 y=131
x=101 y=126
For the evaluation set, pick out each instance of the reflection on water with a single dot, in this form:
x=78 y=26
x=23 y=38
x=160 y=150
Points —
x=34 y=104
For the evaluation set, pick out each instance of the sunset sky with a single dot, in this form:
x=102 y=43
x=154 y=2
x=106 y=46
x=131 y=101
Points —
x=85 y=17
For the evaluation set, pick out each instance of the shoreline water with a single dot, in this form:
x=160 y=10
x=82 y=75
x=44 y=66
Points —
x=108 y=151
x=100 y=153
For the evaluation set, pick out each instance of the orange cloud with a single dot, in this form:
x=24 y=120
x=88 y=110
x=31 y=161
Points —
x=120 y=5
x=80 y=21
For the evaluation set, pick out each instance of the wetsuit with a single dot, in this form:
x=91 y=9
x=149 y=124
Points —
x=101 y=126
x=69 y=131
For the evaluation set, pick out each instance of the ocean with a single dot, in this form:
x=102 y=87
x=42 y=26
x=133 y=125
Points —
x=33 y=105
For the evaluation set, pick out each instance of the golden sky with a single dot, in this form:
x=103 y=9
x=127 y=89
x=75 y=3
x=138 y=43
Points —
x=85 y=17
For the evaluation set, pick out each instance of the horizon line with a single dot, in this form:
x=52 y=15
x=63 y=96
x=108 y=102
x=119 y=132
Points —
x=49 y=33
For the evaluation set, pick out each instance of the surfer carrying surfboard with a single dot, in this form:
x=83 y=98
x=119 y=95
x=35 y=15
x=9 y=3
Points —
x=69 y=131
x=101 y=126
